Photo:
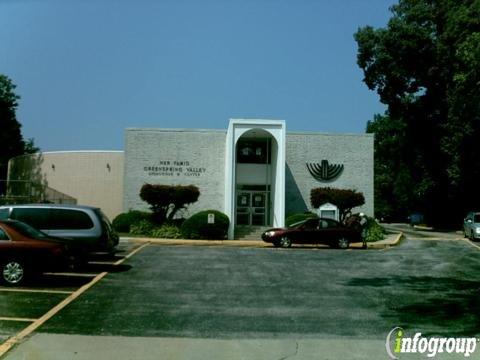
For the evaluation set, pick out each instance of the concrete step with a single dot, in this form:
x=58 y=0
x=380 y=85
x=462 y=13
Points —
x=249 y=232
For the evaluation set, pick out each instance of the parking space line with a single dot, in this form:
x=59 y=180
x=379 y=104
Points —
x=37 y=291
x=71 y=274
x=16 y=319
x=129 y=255
x=471 y=243
x=7 y=345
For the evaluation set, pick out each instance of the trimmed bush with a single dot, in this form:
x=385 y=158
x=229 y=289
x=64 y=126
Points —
x=166 y=232
x=292 y=219
x=150 y=229
x=143 y=227
x=167 y=200
x=123 y=222
x=373 y=230
x=197 y=226
x=344 y=199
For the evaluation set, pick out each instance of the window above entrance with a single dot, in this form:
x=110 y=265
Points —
x=254 y=151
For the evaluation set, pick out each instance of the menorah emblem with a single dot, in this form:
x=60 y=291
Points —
x=325 y=171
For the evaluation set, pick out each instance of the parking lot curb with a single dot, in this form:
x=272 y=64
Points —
x=386 y=244
x=188 y=242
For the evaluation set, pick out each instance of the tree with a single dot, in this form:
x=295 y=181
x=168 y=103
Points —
x=11 y=139
x=166 y=200
x=344 y=199
x=425 y=67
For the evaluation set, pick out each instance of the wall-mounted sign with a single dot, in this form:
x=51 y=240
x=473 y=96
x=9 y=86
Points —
x=324 y=171
x=211 y=218
x=174 y=168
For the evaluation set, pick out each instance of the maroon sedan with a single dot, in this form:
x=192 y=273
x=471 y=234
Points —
x=313 y=231
x=24 y=249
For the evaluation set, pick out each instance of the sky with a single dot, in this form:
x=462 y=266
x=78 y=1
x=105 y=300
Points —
x=88 y=69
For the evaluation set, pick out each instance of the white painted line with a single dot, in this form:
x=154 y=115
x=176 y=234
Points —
x=16 y=319
x=7 y=345
x=36 y=291
x=471 y=243
x=11 y=342
x=128 y=256
x=71 y=274
x=101 y=262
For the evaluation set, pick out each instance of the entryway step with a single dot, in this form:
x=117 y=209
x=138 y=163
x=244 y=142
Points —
x=250 y=232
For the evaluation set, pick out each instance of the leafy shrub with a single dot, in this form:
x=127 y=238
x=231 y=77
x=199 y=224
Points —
x=344 y=199
x=123 y=222
x=292 y=219
x=197 y=226
x=150 y=229
x=373 y=230
x=166 y=232
x=166 y=200
x=143 y=227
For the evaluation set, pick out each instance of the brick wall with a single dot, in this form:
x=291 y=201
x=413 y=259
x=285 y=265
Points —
x=150 y=155
x=355 y=152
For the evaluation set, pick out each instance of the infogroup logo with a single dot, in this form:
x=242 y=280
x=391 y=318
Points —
x=397 y=343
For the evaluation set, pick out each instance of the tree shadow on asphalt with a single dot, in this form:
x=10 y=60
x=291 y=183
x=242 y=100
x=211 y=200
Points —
x=450 y=305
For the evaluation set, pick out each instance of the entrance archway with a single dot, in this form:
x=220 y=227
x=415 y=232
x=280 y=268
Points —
x=255 y=173
x=254 y=178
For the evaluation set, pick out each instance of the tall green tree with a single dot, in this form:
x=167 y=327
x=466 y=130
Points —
x=425 y=66
x=11 y=139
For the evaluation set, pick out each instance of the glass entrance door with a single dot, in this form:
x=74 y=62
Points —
x=251 y=208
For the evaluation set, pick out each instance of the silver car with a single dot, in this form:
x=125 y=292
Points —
x=471 y=225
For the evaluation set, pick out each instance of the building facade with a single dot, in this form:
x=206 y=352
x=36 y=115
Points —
x=254 y=171
x=92 y=178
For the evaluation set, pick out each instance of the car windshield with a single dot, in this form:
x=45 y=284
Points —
x=476 y=218
x=27 y=230
x=297 y=224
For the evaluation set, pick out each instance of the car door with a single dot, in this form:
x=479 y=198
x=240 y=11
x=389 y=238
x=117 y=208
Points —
x=307 y=233
x=327 y=231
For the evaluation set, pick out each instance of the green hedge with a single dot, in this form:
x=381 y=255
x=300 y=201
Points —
x=150 y=229
x=373 y=230
x=197 y=226
x=294 y=218
x=123 y=222
x=143 y=227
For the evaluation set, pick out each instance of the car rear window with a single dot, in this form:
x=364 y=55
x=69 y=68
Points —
x=53 y=219
x=3 y=235
x=27 y=230
x=63 y=219
x=4 y=214
x=38 y=218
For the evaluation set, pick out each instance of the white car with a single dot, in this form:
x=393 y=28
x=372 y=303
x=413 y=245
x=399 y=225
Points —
x=471 y=226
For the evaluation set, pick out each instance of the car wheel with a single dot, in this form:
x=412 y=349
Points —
x=276 y=243
x=285 y=242
x=13 y=272
x=343 y=243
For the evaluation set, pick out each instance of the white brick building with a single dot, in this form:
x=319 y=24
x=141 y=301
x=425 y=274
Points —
x=254 y=171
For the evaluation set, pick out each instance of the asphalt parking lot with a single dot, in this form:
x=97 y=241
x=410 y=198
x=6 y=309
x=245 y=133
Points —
x=220 y=293
x=22 y=306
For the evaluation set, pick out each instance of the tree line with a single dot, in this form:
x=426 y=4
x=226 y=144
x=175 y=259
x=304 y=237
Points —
x=425 y=66
x=12 y=142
